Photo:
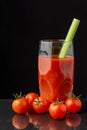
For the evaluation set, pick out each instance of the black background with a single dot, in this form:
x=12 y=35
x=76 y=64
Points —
x=23 y=24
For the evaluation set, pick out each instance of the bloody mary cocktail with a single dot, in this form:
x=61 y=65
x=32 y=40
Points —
x=55 y=76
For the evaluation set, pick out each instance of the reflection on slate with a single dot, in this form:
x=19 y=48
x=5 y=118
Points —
x=33 y=121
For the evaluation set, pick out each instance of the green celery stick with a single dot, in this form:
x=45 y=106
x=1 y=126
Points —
x=69 y=38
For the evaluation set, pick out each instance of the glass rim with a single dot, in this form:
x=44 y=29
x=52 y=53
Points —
x=53 y=40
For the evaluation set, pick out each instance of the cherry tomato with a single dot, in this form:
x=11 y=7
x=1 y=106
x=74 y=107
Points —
x=40 y=104
x=20 y=121
x=20 y=105
x=73 y=120
x=57 y=110
x=73 y=104
x=30 y=97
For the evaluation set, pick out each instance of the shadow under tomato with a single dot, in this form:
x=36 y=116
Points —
x=40 y=121
x=57 y=124
x=20 y=121
x=73 y=120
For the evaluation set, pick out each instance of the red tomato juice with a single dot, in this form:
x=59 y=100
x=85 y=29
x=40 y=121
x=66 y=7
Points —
x=55 y=77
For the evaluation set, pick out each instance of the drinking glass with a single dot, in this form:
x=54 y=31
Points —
x=55 y=75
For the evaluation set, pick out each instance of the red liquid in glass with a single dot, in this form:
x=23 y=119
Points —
x=55 y=77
